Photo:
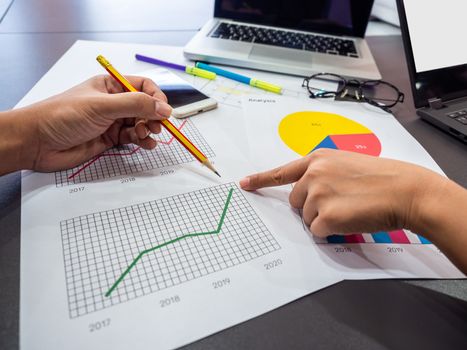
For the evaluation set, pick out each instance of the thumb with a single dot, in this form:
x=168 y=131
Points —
x=132 y=105
x=282 y=175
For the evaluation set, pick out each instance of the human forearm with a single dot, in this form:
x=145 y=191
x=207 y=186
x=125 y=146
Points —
x=343 y=192
x=78 y=124
x=15 y=135
x=441 y=218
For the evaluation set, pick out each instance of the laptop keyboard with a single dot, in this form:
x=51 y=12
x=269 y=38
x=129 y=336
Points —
x=460 y=116
x=282 y=38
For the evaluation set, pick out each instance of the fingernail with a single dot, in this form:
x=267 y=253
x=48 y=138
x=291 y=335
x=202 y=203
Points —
x=163 y=109
x=245 y=182
x=141 y=129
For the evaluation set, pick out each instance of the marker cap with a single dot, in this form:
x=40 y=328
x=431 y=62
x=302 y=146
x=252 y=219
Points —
x=200 y=72
x=266 y=86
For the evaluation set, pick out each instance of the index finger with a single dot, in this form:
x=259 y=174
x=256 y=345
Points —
x=142 y=84
x=146 y=86
x=282 y=175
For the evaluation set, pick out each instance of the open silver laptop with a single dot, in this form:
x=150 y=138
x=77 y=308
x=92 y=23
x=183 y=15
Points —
x=299 y=37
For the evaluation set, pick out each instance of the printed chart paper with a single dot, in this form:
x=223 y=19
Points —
x=137 y=249
x=281 y=130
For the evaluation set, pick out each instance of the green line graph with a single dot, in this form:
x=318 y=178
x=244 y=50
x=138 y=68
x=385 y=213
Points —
x=117 y=255
x=188 y=235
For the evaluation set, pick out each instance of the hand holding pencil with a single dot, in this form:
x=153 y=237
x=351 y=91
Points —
x=177 y=134
x=144 y=127
x=77 y=125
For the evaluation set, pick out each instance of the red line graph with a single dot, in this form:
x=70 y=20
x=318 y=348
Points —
x=121 y=154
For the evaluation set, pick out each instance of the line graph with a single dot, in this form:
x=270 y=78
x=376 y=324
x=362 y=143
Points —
x=140 y=255
x=115 y=256
x=120 y=154
x=129 y=159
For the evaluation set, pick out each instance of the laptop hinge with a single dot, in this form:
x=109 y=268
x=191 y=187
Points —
x=436 y=103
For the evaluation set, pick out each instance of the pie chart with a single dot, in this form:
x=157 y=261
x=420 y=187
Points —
x=304 y=132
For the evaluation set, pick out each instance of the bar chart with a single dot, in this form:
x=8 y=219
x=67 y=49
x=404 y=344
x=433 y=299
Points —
x=386 y=237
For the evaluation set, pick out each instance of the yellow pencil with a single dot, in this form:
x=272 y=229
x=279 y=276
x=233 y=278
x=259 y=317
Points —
x=167 y=124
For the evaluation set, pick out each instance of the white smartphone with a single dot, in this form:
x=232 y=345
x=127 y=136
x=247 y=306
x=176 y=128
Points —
x=184 y=98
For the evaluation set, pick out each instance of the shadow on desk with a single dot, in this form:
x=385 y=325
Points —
x=354 y=315
x=10 y=206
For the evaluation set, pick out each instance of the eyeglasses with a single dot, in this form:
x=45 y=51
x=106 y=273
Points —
x=378 y=93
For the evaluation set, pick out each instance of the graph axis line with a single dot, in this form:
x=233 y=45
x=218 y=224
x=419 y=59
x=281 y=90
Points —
x=189 y=235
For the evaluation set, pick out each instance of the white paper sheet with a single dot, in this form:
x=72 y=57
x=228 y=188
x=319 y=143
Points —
x=116 y=256
x=179 y=258
x=263 y=115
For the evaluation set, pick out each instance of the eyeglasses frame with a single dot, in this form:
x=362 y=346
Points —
x=359 y=95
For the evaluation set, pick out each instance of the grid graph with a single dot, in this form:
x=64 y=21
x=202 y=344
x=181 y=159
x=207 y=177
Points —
x=115 y=256
x=130 y=159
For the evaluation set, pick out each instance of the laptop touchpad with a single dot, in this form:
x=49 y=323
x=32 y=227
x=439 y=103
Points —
x=280 y=55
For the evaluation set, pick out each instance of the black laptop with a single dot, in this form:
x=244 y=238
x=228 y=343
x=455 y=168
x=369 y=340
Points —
x=433 y=33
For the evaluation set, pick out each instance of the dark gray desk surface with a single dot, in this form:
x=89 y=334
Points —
x=349 y=315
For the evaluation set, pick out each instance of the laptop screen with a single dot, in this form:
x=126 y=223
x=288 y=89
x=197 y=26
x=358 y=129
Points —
x=437 y=39
x=433 y=34
x=340 y=17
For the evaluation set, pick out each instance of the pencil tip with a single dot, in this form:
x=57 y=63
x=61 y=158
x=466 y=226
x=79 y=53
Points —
x=209 y=165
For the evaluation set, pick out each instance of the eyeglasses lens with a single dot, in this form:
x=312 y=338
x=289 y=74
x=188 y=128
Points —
x=379 y=92
x=324 y=85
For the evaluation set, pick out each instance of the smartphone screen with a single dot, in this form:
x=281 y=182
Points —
x=179 y=92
